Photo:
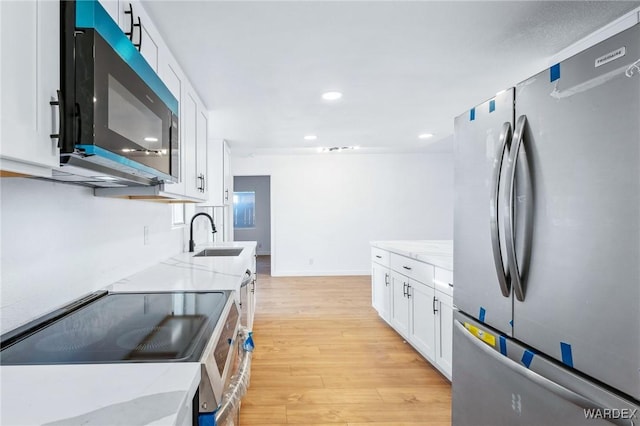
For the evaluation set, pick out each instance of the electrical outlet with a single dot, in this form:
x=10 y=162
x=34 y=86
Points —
x=146 y=235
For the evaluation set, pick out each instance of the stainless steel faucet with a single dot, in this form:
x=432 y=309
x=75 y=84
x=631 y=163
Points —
x=192 y=244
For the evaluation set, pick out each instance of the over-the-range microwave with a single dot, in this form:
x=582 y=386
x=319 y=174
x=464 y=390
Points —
x=118 y=118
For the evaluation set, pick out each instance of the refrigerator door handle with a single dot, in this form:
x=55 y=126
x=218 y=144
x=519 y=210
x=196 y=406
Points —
x=494 y=208
x=510 y=238
x=558 y=390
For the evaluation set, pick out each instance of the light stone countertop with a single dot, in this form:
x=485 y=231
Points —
x=435 y=252
x=98 y=394
x=129 y=393
x=184 y=272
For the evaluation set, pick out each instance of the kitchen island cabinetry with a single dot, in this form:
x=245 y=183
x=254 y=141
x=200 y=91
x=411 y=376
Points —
x=417 y=303
x=380 y=282
x=399 y=304
x=443 y=353
x=29 y=80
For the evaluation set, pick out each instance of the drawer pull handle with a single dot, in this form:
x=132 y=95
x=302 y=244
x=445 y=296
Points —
x=379 y=257
x=407 y=268
x=450 y=285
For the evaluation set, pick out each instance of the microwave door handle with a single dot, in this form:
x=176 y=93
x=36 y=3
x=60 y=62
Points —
x=494 y=208
x=518 y=136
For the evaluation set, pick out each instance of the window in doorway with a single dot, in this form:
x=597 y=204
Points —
x=244 y=210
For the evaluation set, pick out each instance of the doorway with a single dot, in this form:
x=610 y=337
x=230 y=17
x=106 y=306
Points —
x=252 y=211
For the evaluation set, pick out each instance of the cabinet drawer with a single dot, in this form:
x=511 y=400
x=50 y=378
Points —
x=443 y=280
x=412 y=268
x=380 y=256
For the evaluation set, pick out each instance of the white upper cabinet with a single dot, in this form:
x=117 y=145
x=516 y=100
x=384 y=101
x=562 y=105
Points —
x=172 y=76
x=30 y=78
x=220 y=178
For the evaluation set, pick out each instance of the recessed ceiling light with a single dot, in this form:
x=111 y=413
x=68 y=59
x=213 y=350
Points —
x=310 y=137
x=425 y=136
x=150 y=139
x=331 y=96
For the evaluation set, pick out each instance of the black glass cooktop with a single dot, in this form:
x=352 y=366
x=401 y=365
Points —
x=123 y=327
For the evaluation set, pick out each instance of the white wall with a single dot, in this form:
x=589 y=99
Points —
x=59 y=242
x=326 y=208
x=261 y=185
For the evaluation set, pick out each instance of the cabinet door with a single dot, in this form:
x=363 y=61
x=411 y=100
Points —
x=201 y=149
x=148 y=46
x=172 y=76
x=30 y=76
x=380 y=289
x=444 y=332
x=423 y=317
x=227 y=179
x=399 y=303
x=189 y=125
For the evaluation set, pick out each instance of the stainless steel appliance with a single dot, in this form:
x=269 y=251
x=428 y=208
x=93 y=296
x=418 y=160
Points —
x=547 y=246
x=145 y=327
x=117 y=117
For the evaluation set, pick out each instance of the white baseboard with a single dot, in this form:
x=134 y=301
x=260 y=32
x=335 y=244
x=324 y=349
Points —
x=276 y=273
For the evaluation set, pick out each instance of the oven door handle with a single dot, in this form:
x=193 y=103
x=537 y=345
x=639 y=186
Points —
x=233 y=394
x=247 y=278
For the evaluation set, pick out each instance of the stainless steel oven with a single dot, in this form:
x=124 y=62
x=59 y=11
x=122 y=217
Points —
x=107 y=327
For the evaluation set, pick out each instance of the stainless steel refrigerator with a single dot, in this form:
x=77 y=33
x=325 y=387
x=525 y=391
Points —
x=547 y=246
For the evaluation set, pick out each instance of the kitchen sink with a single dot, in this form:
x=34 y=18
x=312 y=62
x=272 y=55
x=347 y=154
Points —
x=219 y=252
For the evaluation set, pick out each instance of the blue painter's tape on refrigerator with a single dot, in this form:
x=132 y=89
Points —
x=554 y=72
x=527 y=357
x=503 y=345
x=492 y=105
x=472 y=114
x=567 y=356
x=511 y=323
x=207 y=419
x=481 y=314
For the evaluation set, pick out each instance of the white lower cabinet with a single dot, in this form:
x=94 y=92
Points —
x=380 y=287
x=411 y=297
x=423 y=321
x=399 y=303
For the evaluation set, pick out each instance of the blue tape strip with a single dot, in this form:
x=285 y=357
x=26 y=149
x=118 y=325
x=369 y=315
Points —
x=90 y=14
x=527 y=357
x=492 y=105
x=482 y=314
x=207 y=419
x=503 y=345
x=103 y=153
x=511 y=323
x=472 y=114
x=567 y=356
x=554 y=72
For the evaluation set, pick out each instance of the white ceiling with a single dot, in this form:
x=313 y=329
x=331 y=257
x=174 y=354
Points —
x=405 y=68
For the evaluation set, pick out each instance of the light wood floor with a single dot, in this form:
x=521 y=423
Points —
x=323 y=356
